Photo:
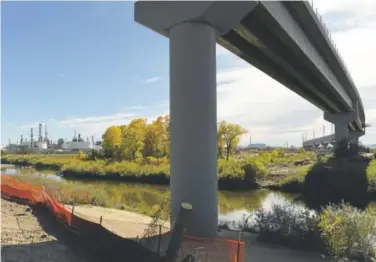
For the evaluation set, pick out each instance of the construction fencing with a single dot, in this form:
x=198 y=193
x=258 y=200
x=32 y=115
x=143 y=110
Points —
x=116 y=240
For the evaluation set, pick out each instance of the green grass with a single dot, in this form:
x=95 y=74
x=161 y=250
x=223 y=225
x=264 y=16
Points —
x=371 y=176
x=136 y=198
x=247 y=172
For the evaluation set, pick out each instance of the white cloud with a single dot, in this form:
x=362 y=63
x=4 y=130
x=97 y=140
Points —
x=152 y=79
x=79 y=121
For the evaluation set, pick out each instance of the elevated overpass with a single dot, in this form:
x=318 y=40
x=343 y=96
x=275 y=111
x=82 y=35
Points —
x=352 y=136
x=283 y=39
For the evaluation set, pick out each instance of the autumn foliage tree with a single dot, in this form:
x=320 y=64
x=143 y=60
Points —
x=228 y=137
x=141 y=140
x=112 y=140
x=134 y=138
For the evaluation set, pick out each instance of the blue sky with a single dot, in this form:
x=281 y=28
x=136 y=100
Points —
x=86 y=65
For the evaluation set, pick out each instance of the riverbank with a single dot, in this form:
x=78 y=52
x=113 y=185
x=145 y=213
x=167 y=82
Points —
x=266 y=169
x=145 y=200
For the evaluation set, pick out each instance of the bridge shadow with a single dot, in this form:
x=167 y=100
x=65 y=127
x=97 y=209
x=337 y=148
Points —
x=339 y=179
x=43 y=251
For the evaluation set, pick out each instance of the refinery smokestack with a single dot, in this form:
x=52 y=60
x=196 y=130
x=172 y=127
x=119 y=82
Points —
x=40 y=133
x=45 y=133
x=31 y=137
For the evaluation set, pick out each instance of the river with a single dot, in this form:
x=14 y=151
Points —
x=233 y=205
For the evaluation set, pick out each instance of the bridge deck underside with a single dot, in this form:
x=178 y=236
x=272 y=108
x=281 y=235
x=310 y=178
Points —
x=296 y=62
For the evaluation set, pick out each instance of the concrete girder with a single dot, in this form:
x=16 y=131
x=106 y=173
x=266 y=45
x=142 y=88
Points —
x=352 y=135
x=293 y=35
x=311 y=24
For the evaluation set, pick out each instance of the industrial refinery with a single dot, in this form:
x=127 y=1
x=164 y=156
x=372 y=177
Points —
x=44 y=144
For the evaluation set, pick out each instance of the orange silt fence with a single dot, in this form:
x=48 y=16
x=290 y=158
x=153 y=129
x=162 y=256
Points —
x=212 y=249
x=215 y=249
x=11 y=187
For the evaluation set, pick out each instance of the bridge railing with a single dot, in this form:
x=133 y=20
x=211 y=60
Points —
x=329 y=35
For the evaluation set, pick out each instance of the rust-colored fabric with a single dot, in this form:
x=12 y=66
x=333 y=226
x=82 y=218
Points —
x=11 y=187
x=214 y=249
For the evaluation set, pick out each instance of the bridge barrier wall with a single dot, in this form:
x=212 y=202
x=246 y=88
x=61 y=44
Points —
x=114 y=240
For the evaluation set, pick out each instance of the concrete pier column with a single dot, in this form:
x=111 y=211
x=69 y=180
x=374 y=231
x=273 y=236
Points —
x=354 y=140
x=193 y=116
x=340 y=131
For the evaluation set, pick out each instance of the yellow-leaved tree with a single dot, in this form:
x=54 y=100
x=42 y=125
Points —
x=134 y=138
x=112 y=140
x=229 y=136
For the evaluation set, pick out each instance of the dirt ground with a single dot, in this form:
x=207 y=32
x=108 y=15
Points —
x=25 y=237
x=28 y=236
x=121 y=222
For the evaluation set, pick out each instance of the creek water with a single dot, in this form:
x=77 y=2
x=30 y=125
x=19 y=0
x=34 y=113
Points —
x=233 y=205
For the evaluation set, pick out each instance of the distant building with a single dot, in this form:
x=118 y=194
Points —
x=78 y=146
x=256 y=146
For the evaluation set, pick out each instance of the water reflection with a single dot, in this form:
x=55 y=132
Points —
x=232 y=205
x=27 y=170
x=144 y=198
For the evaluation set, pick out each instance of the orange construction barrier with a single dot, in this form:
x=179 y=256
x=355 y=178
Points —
x=11 y=187
x=214 y=249
x=209 y=249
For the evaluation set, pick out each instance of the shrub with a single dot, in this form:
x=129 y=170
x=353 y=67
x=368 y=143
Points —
x=253 y=170
x=337 y=180
x=349 y=232
x=287 y=224
x=371 y=176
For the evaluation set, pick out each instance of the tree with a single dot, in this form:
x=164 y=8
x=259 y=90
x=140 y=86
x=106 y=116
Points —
x=165 y=136
x=134 y=138
x=230 y=134
x=220 y=145
x=150 y=141
x=112 y=141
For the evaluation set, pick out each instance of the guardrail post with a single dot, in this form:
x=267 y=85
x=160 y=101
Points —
x=159 y=240
x=100 y=220
x=238 y=255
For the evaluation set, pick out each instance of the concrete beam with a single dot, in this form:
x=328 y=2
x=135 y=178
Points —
x=161 y=16
x=292 y=35
x=319 y=140
x=345 y=117
x=331 y=138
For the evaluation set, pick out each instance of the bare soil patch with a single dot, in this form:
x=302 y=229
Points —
x=26 y=237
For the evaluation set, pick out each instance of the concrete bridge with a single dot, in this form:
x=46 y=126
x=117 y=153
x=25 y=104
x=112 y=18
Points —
x=353 y=138
x=283 y=39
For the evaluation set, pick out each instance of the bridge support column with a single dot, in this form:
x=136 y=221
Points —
x=192 y=27
x=341 y=131
x=354 y=140
x=340 y=121
x=193 y=115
